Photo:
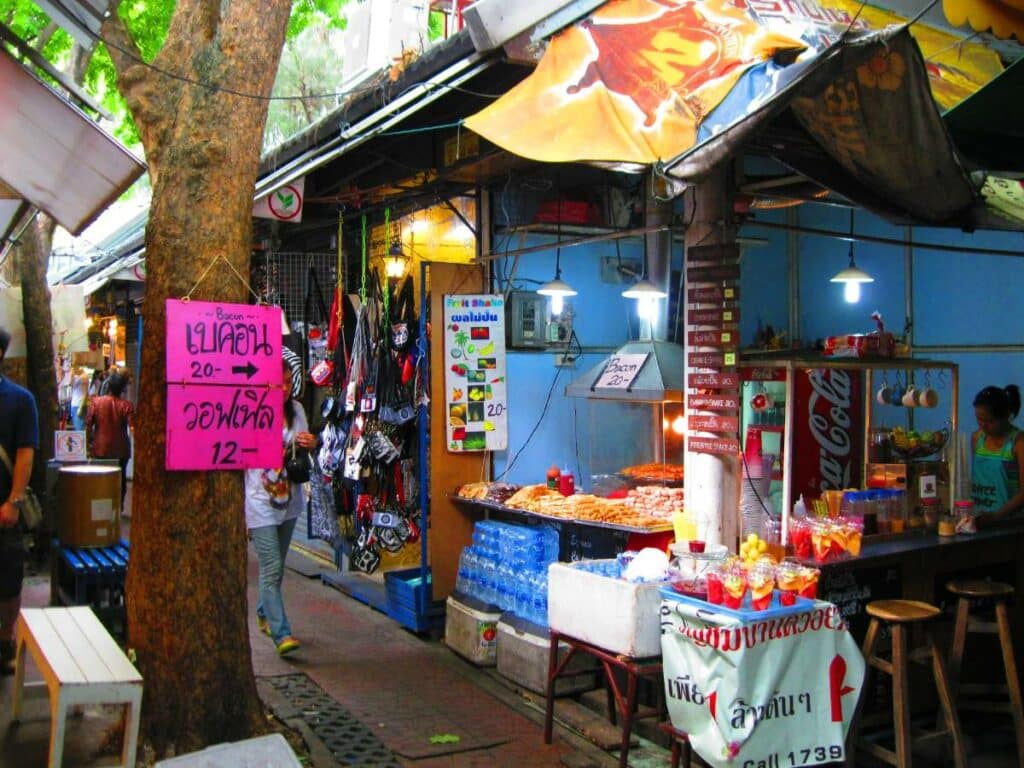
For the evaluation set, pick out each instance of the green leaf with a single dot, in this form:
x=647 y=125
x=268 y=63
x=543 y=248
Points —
x=444 y=738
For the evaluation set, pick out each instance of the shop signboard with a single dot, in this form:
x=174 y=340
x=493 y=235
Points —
x=723 y=446
x=727 y=295
x=828 y=421
x=769 y=693
x=720 y=339
x=718 y=318
x=69 y=445
x=224 y=379
x=476 y=397
x=719 y=402
x=715 y=274
x=719 y=253
x=713 y=381
x=620 y=371
x=711 y=359
x=713 y=422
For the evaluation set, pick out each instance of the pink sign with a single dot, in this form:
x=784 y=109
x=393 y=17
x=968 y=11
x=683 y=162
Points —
x=213 y=343
x=224 y=427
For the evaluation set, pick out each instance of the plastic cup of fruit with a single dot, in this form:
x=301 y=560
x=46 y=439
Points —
x=800 y=535
x=823 y=543
x=734 y=587
x=854 y=530
x=761 y=580
x=809 y=582
x=789 y=578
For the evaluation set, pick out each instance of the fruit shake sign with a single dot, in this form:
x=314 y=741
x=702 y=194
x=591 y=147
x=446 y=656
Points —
x=224 y=379
x=475 y=385
x=770 y=693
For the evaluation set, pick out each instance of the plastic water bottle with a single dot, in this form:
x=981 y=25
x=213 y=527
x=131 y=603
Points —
x=472 y=572
x=489 y=569
x=550 y=546
x=539 y=613
x=462 y=575
x=506 y=587
x=524 y=593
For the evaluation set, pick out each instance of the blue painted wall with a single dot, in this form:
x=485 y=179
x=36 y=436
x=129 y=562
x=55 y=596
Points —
x=958 y=299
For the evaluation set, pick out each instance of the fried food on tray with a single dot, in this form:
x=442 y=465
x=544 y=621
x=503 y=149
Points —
x=658 y=473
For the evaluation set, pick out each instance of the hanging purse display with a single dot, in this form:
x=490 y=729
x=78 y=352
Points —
x=321 y=366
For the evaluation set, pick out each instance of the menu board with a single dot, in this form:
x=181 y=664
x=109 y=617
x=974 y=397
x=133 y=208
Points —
x=476 y=397
x=224 y=379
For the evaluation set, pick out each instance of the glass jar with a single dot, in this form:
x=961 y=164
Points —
x=897 y=511
x=947 y=525
x=964 y=516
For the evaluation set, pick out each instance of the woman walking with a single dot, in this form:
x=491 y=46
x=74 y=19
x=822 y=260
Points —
x=107 y=422
x=272 y=505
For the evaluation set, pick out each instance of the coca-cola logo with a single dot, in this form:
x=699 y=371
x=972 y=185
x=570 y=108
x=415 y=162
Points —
x=828 y=416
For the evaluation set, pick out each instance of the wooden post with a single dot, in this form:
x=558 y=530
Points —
x=712 y=479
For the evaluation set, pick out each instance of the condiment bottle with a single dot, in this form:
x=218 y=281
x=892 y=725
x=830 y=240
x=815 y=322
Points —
x=566 y=483
x=898 y=511
x=930 y=511
x=947 y=526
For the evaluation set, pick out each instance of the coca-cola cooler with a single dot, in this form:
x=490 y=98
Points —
x=825 y=408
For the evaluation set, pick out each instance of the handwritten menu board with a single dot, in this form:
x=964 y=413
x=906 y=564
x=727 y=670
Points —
x=475 y=385
x=712 y=400
x=224 y=379
x=620 y=371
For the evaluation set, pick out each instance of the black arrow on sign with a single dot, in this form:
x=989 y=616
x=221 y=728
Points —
x=248 y=369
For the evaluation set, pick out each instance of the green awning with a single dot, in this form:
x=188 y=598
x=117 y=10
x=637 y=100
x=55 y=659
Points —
x=988 y=127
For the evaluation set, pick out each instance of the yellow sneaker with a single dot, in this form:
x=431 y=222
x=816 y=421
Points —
x=263 y=625
x=288 y=645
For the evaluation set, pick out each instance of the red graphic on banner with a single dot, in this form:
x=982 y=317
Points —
x=716 y=317
x=829 y=431
x=719 y=445
x=713 y=381
x=711 y=359
x=836 y=676
x=713 y=402
x=713 y=423
x=728 y=339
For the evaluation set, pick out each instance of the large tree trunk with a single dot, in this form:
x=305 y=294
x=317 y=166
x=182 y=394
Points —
x=33 y=259
x=186 y=587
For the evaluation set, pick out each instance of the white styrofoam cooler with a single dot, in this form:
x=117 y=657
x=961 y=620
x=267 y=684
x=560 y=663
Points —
x=523 y=656
x=613 y=614
x=471 y=633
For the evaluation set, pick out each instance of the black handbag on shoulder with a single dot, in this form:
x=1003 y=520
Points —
x=297 y=464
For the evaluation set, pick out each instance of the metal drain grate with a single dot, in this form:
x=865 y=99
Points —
x=352 y=743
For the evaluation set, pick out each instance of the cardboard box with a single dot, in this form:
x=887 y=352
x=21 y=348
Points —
x=613 y=614
x=472 y=633
x=860 y=345
x=89 y=512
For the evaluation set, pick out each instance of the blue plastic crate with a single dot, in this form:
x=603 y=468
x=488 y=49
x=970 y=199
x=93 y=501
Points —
x=405 y=588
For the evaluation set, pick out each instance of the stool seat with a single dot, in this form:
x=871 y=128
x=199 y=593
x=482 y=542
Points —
x=979 y=588
x=901 y=611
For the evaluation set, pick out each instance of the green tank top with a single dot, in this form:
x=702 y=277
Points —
x=995 y=476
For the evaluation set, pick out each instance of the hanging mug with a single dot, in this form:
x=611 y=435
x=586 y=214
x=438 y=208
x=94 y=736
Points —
x=909 y=398
x=884 y=395
x=927 y=398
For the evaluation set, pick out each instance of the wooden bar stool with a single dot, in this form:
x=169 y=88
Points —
x=965 y=623
x=899 y=616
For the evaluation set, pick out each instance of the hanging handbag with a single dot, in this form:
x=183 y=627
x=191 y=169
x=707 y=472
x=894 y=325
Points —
x=29 y=507
x=321 y=366
x=297 y=464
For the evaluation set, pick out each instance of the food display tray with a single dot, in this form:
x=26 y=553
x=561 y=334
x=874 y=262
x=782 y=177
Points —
x=773 y=611
x=483 y=504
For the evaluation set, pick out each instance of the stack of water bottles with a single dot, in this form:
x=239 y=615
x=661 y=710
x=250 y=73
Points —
x=507 y=566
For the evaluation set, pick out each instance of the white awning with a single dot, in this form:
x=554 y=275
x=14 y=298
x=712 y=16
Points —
x=54 y=156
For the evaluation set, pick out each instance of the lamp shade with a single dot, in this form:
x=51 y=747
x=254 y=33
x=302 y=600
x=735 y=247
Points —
x=556 y=287
x=644 y=289
x=395 y=262
x=852 y=274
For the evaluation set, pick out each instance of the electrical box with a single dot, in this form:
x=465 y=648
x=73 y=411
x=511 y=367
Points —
x=531 y=325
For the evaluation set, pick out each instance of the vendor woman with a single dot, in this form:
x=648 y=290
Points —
x=998 y=455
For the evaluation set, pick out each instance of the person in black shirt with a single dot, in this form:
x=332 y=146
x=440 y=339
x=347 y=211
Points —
x=19 y=437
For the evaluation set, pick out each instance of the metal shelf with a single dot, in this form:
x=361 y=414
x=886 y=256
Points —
x=495 y=507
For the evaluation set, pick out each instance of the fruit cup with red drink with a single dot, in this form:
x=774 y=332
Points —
x=789 y=576
x=800 y=535
x=734 y=586
x=716 y=589
x=809 y=582
x=761 y=579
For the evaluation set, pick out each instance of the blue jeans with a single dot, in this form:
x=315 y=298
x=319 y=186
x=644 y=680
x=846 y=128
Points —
x=271 y=542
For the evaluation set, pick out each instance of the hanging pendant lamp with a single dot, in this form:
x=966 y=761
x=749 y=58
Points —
x=557 y=289
x=852 y=276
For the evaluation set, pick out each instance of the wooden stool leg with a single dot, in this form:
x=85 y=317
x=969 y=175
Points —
x=946 y=701
x=629 y=708
x=900 y=697
x=1012 y=681
x=58 y=717
x=19 y=673
x=676 y=752
x=956 y=652
x=132 y=719
x=868 y=649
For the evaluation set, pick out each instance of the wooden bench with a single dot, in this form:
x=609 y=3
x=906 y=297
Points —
x=80 y=664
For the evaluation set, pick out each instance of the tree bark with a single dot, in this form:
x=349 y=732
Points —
x=33 y=259
x=186 y=584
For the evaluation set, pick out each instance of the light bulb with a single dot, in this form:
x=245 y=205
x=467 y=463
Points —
x=113 y=327
x=88 y=323
x=679 y=425
x=557 y=304
x=851 y=292
x=647 y=308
